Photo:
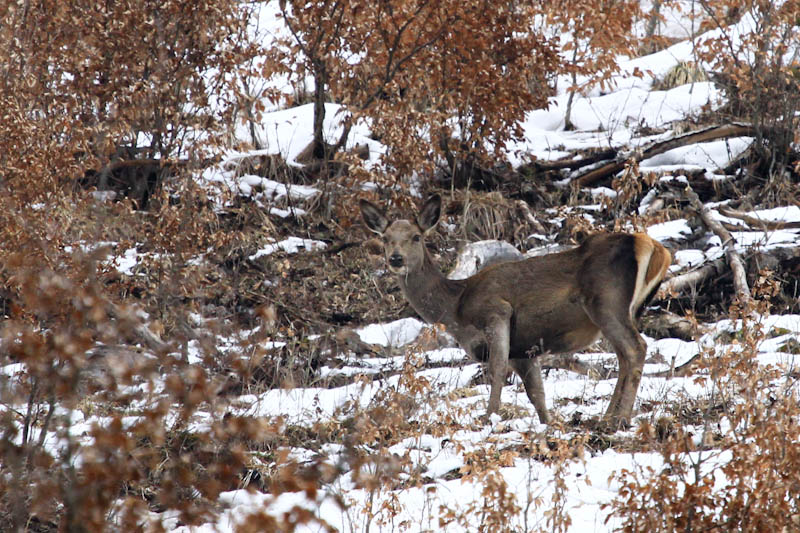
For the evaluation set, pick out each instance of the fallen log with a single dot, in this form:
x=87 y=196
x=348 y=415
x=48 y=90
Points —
x=668 y=324
x=599 y=372
x=691 y=279
x=573 y=364
x=757 y=222
x=561 y=164
x=708 y=134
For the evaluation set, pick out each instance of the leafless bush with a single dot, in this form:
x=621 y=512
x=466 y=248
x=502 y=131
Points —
x=755 y=55
x=103 y=90
x=735 y=471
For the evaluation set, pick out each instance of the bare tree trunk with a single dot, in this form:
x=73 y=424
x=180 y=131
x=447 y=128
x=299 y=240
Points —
x=568 y=125
x=320 y=82
x=652 y=24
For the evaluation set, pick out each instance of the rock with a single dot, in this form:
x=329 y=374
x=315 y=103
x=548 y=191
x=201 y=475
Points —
x=476 y=256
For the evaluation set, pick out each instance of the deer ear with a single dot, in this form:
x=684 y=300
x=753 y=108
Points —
x=431 y=211
x=373 y=216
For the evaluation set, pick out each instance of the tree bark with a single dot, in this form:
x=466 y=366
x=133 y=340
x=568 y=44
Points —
x=320 y=82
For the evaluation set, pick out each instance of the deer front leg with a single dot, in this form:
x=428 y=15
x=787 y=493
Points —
x=498 y=335
x=530 y=371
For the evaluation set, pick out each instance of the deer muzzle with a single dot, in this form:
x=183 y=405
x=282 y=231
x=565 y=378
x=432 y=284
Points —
x=396 y=260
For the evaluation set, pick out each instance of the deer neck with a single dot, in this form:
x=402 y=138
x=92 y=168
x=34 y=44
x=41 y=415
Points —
x=431 y=294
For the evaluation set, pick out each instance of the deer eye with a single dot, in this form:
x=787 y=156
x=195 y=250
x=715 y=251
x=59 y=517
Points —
x=416 y=238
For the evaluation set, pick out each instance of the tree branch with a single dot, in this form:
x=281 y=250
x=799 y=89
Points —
x=757 y=222
x=680 y=283
x=734 y=259
x=683 y=370
x=139 y=331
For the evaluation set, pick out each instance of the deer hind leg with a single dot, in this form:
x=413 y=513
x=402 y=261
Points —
x=631 y=350
x=618 y=328
x=498 y=335
x=530 y=371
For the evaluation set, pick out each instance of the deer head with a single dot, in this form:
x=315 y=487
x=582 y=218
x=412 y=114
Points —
x=403 y=240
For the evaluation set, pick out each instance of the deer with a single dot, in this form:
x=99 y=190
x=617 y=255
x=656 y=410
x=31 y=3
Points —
x=510 y=313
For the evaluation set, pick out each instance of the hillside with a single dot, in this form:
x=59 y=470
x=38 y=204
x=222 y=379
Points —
x=210 y=339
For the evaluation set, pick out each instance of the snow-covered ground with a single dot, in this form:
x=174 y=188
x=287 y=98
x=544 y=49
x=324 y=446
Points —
x=605 y=120
x=589 y=480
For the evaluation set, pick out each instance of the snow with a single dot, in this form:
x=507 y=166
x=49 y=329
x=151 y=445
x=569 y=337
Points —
x=475 y=256
x=397 y=333
x=276 y=191
x=689 y=258
x=610 y=121
x=675 y=351
x=674 y=229
x=292 y=245
x=288 y=132
x=789 y=213
x=709 y=155
x=590 y=481
x=754 y=239
x=613 y=119
x=127 y=261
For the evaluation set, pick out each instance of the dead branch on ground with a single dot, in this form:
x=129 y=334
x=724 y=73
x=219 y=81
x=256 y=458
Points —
x=573 y=364
x=686 y=369
x=692 y=278
x=764 y=225
x=734 y=259
x=610 y=168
